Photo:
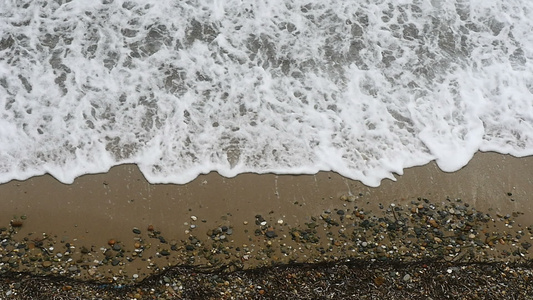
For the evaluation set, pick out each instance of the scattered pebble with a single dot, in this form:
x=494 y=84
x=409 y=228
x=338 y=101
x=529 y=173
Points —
x=16 y=223
x=452 y=231
x=270 y=234
x=46 y=264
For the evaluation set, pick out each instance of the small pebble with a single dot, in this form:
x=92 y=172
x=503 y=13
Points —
x=16 y=223
x=270 y=234
x=46 y=264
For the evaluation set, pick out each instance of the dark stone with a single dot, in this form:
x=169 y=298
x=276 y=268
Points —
x=165 y=252
x=189 y=247
x=136 y=231
x=365 y=224
x=418 y=230
x=340 y=212
x=115 y=262
x=332 y=222
x=270 y=234
x=116 y=247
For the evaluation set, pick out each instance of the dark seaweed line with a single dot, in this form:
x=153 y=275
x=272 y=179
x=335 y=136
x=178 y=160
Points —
x=35 y=282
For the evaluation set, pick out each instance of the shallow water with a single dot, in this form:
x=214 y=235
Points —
x=186 y=87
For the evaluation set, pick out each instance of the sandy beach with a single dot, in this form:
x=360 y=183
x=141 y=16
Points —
x=119 y=229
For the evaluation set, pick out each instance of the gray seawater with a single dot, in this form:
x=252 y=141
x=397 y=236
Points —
x=362 y=88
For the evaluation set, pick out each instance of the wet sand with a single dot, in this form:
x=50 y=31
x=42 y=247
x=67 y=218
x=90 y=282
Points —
x=97 y=207
x=121 y=209
x=122 y=195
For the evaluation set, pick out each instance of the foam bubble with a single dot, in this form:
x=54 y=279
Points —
x=364 y=89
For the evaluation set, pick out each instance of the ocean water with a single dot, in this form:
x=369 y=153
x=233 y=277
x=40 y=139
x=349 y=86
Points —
x=363 y=88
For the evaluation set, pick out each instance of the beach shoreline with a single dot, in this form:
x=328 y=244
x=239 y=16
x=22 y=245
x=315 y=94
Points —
x=118 y=229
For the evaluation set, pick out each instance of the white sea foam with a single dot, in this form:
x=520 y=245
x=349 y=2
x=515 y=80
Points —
x=363 y=88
